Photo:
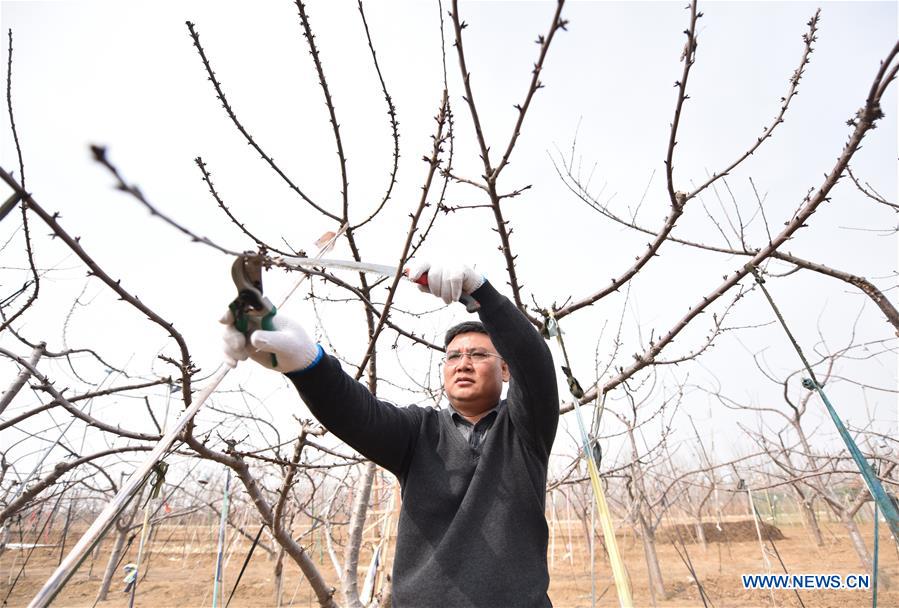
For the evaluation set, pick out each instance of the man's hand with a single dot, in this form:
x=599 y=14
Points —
x=290 y=343
x=446 y=280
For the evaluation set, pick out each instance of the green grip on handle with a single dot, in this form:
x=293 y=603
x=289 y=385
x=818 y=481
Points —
x=242 y=323
x=240 y=319
x=268 y=325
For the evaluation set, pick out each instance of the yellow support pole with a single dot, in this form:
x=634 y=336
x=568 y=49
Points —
x=619 y=572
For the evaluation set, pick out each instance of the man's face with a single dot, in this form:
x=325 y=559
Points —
x=473 y=384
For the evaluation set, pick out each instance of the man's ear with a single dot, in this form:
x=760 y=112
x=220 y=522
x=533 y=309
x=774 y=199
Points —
x=504 y=367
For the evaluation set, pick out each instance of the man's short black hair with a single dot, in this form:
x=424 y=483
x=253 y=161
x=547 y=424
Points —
x=466 y=327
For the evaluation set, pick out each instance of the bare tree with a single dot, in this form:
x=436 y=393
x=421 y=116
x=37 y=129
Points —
x=811 y=472
x=287 y=477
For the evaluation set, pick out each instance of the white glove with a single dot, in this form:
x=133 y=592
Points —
x=289 y=342
x=446 y=280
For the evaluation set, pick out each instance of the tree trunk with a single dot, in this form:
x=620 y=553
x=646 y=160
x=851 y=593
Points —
x=95 y=554
x=122 y=526
x=279 y=577
x=811 y=520
x=65 y=533
x=700 y=534
x=354 y=541
x=858 y=543
x=647 y=533
x=4 y=538
x=656 y=583
x=385 y=599
x=117 y=548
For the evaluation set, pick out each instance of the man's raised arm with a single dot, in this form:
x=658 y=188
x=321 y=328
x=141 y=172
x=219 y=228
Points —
x=533 y=396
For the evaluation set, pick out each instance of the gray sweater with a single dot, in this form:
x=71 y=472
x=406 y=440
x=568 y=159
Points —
x=472 y=529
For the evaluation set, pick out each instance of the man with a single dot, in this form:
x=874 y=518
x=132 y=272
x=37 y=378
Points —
x=472 y=529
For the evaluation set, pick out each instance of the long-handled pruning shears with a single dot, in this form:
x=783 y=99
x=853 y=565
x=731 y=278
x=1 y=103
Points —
x=250 y=301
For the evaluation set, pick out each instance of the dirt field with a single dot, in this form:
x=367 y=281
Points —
x=180 y=572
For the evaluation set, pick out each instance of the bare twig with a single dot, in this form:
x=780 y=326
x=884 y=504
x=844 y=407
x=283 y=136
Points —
x=220 y=94
x=870 y=192
x=394 y=125
x=100 y=156
x=207 y=177
x=35 y=281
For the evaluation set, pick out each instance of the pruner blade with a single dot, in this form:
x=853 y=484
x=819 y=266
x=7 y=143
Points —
x=246 y=272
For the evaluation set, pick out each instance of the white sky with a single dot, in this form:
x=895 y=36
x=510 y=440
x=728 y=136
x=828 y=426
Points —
x=125 y=74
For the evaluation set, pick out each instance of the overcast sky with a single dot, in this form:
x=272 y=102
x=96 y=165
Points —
x=125 y=74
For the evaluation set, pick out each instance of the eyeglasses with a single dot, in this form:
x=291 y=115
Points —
x=477 y=357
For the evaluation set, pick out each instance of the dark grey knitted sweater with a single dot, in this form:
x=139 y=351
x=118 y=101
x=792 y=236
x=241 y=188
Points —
x=472 y=529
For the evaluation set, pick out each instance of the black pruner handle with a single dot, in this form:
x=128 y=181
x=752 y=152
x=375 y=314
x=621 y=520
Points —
x=471 y=305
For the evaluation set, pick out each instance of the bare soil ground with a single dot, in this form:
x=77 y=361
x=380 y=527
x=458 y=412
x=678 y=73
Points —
x=181 y=565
